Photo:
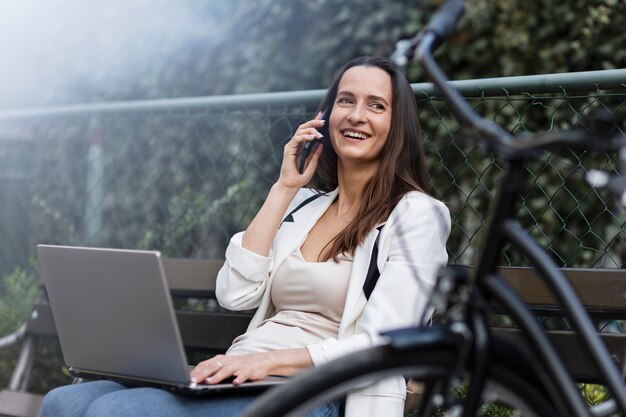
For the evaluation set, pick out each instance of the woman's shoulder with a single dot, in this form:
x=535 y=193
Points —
x=419 y=200
x=419 y=207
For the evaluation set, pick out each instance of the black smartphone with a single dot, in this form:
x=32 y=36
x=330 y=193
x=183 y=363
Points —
x=305 y=149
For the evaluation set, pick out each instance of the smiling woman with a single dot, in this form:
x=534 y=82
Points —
x=329 y=262
x=386 y=111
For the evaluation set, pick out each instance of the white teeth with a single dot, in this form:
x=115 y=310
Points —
x=355 y=135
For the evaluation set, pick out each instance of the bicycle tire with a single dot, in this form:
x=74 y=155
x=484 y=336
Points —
x=506 y=385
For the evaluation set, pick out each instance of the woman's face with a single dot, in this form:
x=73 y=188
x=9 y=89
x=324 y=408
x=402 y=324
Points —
x=361 y=117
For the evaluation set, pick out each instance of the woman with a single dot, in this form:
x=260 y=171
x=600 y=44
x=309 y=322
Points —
x=327 y=267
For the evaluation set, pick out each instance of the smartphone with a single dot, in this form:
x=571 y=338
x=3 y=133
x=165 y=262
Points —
x=305 y=149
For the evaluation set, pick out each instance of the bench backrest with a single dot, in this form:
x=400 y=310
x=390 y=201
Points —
x=602 y=291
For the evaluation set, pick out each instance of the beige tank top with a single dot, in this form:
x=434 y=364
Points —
x=308 y=298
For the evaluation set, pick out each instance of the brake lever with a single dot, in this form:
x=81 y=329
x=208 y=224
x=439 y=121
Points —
x=404 y=52
x=613 y=183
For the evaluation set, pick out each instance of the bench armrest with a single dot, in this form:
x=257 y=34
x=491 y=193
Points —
x=13 y=338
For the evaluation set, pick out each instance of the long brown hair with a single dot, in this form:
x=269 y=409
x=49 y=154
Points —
x=402 y=166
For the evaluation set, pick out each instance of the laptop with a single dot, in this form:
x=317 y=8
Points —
x=115 y=319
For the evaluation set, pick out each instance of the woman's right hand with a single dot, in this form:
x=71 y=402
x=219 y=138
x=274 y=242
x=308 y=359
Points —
x=289 y=175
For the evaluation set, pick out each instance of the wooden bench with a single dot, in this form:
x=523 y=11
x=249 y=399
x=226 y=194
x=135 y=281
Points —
x=602 y=291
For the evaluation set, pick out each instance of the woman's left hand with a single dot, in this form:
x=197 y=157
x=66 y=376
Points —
x=244 y=368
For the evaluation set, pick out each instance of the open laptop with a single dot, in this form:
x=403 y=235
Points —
x=115 y=319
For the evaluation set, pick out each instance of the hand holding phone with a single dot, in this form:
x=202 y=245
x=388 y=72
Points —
x=306 y=148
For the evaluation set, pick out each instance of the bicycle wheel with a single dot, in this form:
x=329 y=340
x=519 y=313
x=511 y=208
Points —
x=506 y=392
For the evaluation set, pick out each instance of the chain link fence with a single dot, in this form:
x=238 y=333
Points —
x=182 y=176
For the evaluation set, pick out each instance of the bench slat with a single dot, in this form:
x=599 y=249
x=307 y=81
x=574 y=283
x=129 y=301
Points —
x=211 y=331
x=214 y=332
x=576 y=358
x=192 y=276
x=19 y=404
x=602 y=291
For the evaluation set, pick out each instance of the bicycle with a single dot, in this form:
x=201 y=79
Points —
x=460 y=353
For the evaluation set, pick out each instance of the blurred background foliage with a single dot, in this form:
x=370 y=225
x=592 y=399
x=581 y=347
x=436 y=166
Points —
x=65 y=52
x=158 y=193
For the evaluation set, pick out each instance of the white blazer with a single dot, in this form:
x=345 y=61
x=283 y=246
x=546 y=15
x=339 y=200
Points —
x=411 y=249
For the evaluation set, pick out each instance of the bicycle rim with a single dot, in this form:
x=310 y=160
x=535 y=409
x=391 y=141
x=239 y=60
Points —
x=505 y=393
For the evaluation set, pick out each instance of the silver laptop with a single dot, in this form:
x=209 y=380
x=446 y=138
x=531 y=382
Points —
x=115 y=319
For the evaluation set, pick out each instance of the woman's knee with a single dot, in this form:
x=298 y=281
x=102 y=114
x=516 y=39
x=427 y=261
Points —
x=132 y=402
x=52 y=403
x=105 y=406
x=73 y=400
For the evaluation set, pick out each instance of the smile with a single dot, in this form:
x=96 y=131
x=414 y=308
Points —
x=354 y=135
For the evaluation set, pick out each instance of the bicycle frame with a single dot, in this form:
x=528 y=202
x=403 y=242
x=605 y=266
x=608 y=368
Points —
x=502 y=228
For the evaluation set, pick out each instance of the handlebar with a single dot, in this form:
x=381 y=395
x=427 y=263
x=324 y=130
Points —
x=444 y=21
x=441 y=26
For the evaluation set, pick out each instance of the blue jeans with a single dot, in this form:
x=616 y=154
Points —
x=110 y=399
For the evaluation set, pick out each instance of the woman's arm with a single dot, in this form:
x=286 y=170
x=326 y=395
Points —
x=241 y=281
x=260 y=234
x=261 y=231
